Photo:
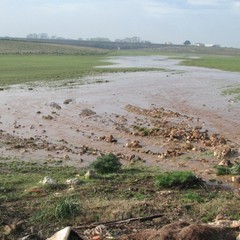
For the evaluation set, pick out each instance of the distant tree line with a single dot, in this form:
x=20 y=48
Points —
x=42 y=36
x=134 y=39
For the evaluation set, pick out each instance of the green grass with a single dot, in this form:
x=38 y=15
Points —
x=131 y=192
x=20 y=69
x=17 y=69
x=105 y=164
x=235 y=91
x=223 y=170
x=182 y=179
x=226 y=63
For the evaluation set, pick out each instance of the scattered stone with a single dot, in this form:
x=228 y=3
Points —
x=55 y=105
x=110 y=139
x=90 y=174
x=67 y=101
x=66 y=157
x=98 y=233
x=226 y=163
x=65 y=234
x=133 y=144
x=11 y=228
x=236 y=179
x=87 y=112
x=135 y=159
x=222 y=151
x=48 y=181
x=47 y=117
x=73 y=181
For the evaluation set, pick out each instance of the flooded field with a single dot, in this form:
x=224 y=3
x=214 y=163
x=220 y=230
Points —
x=72 y=125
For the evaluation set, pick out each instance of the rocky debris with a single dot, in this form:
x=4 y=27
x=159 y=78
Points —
x=98 y=233
x=73 y=181
x=226 y=163
x=90 y=174
x=236 y=179
x=14 y=227
x=133 y=144
x=47 y=117
x=48 y=181
x=171 y=153
x=67 y=101
x=154 y=112
x=66 y=157
x=87 y=112
x=134 y=159
x=222 y=151
x=55 y=105
x=110 y=139
x=65 y=234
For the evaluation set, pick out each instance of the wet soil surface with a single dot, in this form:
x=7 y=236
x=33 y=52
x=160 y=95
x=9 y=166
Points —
x=175 y=118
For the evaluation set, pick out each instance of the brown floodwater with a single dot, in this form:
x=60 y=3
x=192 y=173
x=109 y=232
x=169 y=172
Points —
x=193 y=91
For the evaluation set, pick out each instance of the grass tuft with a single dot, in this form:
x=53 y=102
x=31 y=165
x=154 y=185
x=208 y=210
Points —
x=108 y=163
x=182 y=179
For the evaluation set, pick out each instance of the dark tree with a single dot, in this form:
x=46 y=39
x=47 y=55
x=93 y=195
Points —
x=187 y=42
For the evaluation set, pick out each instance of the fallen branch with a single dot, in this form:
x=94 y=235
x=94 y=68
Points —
x=111 y=223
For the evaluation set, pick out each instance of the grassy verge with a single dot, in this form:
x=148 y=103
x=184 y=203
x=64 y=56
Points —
x=226 y=63
x=131 y=192
x=17 y=69
x=234 y=91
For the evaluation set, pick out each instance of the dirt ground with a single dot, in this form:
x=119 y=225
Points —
x=73 y=124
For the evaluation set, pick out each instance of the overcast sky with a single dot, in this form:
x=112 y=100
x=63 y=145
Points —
x=207 y=21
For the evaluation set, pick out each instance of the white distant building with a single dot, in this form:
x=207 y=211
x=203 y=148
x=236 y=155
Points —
x=208 y=45
x=199 y=44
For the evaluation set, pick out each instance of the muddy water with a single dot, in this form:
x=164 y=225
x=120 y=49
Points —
x=192 y=91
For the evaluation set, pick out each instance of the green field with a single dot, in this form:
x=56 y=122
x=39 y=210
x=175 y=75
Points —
x=22 y=62
x=226 y=63
x=26 y=68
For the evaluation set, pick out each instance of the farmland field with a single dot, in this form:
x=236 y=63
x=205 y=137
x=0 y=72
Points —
x=168 y=118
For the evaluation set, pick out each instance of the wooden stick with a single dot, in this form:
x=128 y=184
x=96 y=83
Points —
x=110 y=223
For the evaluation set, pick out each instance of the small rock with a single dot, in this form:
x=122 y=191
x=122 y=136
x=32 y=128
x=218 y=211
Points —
x=87 y=112
x=90 y=174
x=110 y=139
x=73 y=181
x=48 y=181
x=65 y=234
x=67 y=101
x=55 y=105
x=236 y=179
x=11 y=228
x=66 y=157
x=133 y=144
x=226 y=163
x=48 y=117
